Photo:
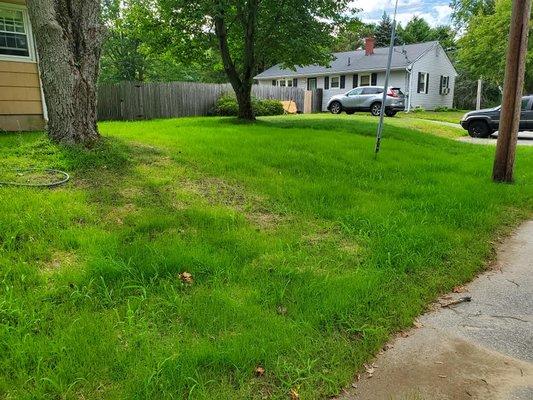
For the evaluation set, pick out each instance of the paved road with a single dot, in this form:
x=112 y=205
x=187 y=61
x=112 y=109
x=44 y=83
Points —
x=524 y=139
x=481 y=349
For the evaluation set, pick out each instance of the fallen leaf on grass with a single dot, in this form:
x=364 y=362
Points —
x=186 y=277
x=459 y=289
x=259 y=371
x=294 y=395
x=282 y=310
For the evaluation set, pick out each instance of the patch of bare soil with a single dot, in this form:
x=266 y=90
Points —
x=219 y=192
x=60 y=259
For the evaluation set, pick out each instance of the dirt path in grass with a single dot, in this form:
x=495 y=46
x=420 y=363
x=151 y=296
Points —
x=482 y=349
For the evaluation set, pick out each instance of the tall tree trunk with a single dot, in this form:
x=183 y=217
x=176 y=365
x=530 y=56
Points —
x=244 y=99
x=69 y=38
x=242 y=85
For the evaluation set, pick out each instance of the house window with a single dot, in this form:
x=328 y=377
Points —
x=364 y=80
x=286 y=82
x=311 y=84
x=423 y=82
x=444 y=85
x=15 y=37
x=335 y=82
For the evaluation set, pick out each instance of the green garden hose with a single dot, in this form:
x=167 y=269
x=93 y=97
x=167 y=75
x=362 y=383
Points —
x=65 y=178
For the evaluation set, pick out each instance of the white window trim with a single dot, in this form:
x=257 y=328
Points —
x=369 y=80
x=331 y=81
x=27 y=26
x=445 y=85
x=286 y=80
x=423 y=91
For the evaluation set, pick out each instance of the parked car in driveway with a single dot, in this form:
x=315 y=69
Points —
x=368 y=98
x=483 y=123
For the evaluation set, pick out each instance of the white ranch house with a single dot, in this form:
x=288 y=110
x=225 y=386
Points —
x=422 y=71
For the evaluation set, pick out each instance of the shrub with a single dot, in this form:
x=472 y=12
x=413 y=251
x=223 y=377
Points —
x=418 y=109
x=444 y=109
x=227 y=106
x=267 y=107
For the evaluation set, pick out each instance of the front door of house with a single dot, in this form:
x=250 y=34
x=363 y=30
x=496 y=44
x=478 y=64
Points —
x=311 y=84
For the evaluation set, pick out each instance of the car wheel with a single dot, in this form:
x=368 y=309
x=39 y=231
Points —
x=350 y=112
x=335 y=107
x=375 y=109
x=390 y=113
x=479 y=129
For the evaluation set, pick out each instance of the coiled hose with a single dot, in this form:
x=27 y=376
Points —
x=65 y=178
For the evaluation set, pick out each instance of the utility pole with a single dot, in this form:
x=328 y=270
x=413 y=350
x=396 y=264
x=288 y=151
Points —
x=478 y=98
x=387 y=76
x=512 y=92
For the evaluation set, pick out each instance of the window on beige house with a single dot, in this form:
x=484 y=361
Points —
x=15 y=39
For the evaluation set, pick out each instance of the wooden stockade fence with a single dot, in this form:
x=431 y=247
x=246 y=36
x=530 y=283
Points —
x=130 y=100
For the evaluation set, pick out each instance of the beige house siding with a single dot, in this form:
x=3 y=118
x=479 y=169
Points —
x=21 y=107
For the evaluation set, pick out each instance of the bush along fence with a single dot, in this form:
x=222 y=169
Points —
x=130 y=100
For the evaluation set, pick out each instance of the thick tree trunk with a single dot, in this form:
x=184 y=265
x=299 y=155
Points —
x=69 y=40
x=242 y=85
x=244 y=99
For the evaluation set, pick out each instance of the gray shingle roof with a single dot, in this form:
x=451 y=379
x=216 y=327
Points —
x=354 y=61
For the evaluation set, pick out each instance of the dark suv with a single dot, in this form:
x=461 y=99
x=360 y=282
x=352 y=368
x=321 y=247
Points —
x=482 y=123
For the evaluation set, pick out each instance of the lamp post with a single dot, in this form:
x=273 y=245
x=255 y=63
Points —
x=387 y=76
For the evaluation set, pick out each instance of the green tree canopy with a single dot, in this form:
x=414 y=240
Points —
x=383 y=31
x=351 y=34
x=464 y=10
x=132 y=53
x=249 y=34
x=482 y=49
x=418 y=30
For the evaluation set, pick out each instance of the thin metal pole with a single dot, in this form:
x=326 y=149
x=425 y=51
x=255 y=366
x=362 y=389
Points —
x=387 y=75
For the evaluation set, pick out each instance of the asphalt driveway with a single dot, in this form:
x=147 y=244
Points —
x=524 y=139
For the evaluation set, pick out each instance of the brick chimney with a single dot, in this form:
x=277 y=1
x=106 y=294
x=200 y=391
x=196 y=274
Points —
x=369 y=46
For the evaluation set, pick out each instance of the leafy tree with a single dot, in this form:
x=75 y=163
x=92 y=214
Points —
x=465 y=92
x=416 y=30
x=122 y=58
x=445 y=35
x=69 y=36
x=383 y=31
x=131 y=52
x=464 y=10
x=482 y=49
x=250 y=33
x=351 y=35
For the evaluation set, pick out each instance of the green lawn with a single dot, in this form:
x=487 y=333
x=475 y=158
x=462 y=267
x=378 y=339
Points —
x=306 y=253
x=444 y=116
